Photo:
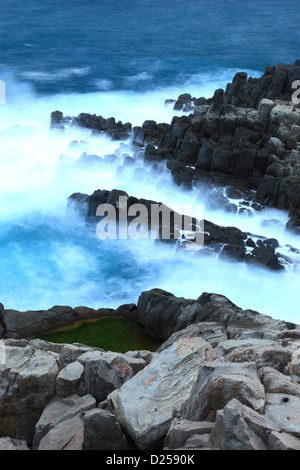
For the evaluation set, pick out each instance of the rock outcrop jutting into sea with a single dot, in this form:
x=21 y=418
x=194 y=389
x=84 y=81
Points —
x=224 y=377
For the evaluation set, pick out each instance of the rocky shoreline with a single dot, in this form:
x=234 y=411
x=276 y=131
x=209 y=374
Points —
x=224 y=378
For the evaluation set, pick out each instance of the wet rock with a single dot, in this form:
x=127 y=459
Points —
x=161 y=313
x=21 y=324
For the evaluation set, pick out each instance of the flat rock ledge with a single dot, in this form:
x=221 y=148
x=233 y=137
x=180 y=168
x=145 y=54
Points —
x=224 y=378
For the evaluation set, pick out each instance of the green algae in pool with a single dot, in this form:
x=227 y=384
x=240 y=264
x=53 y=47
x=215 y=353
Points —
x=111 y=334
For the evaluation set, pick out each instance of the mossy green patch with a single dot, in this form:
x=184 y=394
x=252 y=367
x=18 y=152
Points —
x=111 y=334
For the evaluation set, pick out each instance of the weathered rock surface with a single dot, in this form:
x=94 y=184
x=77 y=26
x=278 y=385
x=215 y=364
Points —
x=58 y=410
x=212 y=332
x=275 y=382
x=282 y=441
x=104 y=372
x=225 y=378
x=284 y=410
x=144 y=405
x=67 y=435
x=27 y=385
x=70 y=380
x=182 y=429
x=241 y=428
x=220 y=382
x=6 y=443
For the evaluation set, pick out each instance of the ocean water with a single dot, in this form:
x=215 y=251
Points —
x=122 y=58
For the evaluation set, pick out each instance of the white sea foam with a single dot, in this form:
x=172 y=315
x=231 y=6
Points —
x=55 y=76
x=38 y=174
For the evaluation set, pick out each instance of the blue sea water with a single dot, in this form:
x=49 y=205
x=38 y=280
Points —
x=120 y=58
x=72 y=45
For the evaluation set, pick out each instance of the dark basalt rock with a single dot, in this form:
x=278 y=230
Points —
x=97 y=124
x=215 y=236
x=162 y=314
x=250 y=133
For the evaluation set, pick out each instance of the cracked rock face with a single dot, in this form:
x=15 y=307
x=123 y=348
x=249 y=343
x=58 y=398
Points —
x=144 y=405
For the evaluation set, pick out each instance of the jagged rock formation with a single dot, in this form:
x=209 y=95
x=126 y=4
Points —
x=227 y=242
x=247 y=136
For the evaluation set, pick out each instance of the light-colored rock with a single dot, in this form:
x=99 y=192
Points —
x=275 y=382
x=212 y=332
x=105 y=372
x=6 y=443
x=67 y=435
x=68 y=352
x=283 y=441
x=27 y=385
x=285 y=114
x=220 y=382
x=238 y=427
x=198 y=441
x=70 y=380
x=144 y=404
x=265 y=107
x=182 y=429
x=60 y=409
x=284 y=411
x=266 y=353
x=102 y=431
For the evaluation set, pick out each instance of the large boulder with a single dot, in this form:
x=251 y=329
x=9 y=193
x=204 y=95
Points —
x=70 y=380
x=104 y=372
x=103 y=432
x=144 y=405
x=161 y=313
